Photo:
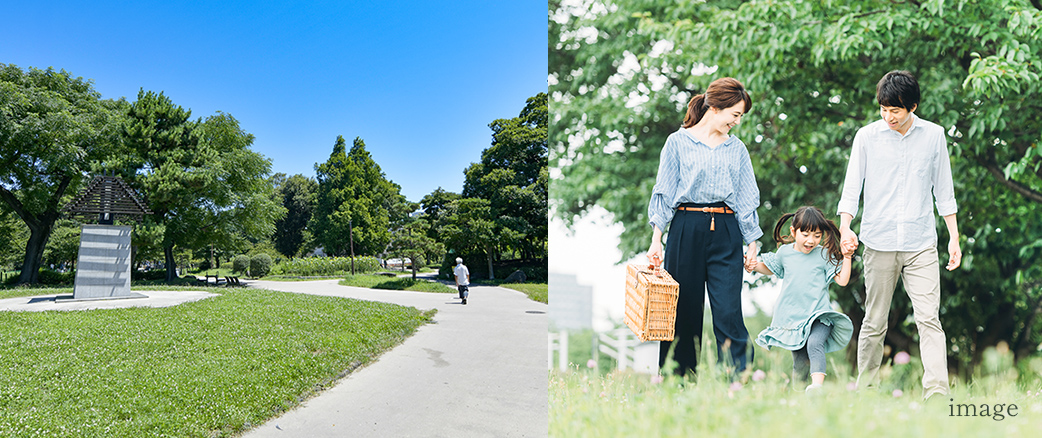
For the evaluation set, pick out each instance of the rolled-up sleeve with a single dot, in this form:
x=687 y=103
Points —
x=660 y=209
x=747 y=195
x=855 y=179
x=943 y=187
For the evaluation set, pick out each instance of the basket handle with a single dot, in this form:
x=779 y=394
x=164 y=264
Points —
x=655 y=267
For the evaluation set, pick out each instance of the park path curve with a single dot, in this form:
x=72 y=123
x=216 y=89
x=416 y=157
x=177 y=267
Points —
x=478 y=371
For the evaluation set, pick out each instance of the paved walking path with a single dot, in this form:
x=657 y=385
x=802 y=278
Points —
x=478 y=371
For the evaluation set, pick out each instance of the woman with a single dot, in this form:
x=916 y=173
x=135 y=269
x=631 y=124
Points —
x=707 y=191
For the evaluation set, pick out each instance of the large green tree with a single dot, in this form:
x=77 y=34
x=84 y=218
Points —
x=201 y=180
x=411 y=241
x=298 y=198
x=469 y=231
x=355 y=202
x=512 y=176
x=53 y=127
x=434 y=206
x=621 y=75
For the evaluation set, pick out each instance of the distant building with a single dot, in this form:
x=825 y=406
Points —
x=571 y=304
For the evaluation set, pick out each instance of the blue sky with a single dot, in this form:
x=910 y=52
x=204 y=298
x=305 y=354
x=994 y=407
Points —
x=419 y=81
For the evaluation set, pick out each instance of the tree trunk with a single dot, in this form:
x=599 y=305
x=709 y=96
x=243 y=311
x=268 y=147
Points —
x=40 y=228
x=34 y=249
x=488 y=252
x=171 y=264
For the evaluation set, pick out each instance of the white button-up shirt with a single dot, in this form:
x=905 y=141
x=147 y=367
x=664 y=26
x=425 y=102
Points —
x=901 y=175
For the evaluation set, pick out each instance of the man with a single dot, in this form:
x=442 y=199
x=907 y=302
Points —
x=462 y=279
x=900 y=161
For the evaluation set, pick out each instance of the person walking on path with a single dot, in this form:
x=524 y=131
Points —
x=899 y=162
x=804 y=321
x=705 y=172
x=462 y=279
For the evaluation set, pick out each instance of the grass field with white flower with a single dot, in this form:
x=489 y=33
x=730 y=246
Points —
x=1003 y=399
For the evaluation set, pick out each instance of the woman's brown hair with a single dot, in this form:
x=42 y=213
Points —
x=811 y=219
x=722 y=93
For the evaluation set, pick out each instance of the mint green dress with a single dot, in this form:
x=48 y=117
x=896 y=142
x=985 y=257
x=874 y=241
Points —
x=804 y=298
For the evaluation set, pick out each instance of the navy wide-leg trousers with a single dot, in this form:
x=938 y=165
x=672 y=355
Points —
x=701 y=260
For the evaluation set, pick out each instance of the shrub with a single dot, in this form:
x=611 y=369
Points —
x=152 y=275
x=326 y=266
x=241 y=263
x=260 y=265
x=55 y=278
x=535 y=274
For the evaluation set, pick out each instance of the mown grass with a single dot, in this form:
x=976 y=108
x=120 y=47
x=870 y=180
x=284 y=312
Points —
x=589 y=401
x=395 y=283
x=213 y=367
x=535 y=291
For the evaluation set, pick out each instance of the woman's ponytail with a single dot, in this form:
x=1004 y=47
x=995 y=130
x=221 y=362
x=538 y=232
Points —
x=696 y=108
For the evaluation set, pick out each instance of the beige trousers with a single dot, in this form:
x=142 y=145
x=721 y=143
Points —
x=920 y=272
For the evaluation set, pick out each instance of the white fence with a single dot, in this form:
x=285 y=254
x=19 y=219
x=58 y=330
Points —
x=620 y=345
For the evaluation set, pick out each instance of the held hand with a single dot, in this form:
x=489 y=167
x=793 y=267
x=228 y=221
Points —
x=954 y=255
x=848 y=248
x=848 y=238
x=750 y=263
x=655 y=253
x=750 y=257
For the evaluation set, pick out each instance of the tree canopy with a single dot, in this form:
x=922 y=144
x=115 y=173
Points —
x=621 y=75
x=354 y=198
x=53 y=128
x=298 y=198
x=512 y=176
x=201 y=180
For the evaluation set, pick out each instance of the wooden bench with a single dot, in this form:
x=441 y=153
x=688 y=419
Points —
x=216 y=279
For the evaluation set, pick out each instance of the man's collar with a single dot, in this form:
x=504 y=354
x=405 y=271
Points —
x=916 y=122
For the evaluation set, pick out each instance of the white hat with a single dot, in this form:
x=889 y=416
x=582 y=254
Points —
x=459 y=260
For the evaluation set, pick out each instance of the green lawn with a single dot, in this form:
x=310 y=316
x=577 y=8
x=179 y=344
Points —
x=395 y=283
x=208 y=368
x=535 y=291
x=587 y=404
x=597 y=401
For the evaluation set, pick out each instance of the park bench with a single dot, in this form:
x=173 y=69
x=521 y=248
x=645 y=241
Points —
x=216 y=279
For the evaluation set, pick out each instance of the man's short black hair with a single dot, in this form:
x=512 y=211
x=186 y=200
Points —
x=898 y=89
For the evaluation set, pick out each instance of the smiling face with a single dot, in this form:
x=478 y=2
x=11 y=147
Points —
x=805 y=240
x=728 y=118
x=897 y=118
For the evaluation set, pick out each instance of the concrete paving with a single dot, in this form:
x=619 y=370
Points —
x=64 y=302
x=478 y=371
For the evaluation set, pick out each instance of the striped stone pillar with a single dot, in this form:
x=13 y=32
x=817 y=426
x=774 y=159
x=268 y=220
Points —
x=103 y=266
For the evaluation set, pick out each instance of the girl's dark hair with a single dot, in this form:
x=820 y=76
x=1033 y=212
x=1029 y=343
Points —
x=811 y=219
x=898 y=89
x=722 y=93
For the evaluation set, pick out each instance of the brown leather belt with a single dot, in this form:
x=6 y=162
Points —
x=711 y=210
x=721 y=210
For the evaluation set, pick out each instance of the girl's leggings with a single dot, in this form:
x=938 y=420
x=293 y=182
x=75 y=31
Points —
x=811 y=358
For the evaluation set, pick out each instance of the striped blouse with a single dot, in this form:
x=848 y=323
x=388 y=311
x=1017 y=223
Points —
x=691 y=171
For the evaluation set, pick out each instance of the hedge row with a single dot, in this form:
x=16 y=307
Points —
x=325 y=266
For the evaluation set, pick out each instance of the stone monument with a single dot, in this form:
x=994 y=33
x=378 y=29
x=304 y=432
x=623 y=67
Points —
x=104 y=262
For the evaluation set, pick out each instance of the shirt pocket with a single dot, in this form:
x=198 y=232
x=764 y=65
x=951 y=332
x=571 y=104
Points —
x=924 y=163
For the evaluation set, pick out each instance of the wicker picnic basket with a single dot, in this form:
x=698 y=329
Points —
x=651 y=302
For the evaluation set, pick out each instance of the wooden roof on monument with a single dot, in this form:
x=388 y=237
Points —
x=107 y=194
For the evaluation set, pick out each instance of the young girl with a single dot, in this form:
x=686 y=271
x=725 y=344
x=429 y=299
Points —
x=804 y=321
